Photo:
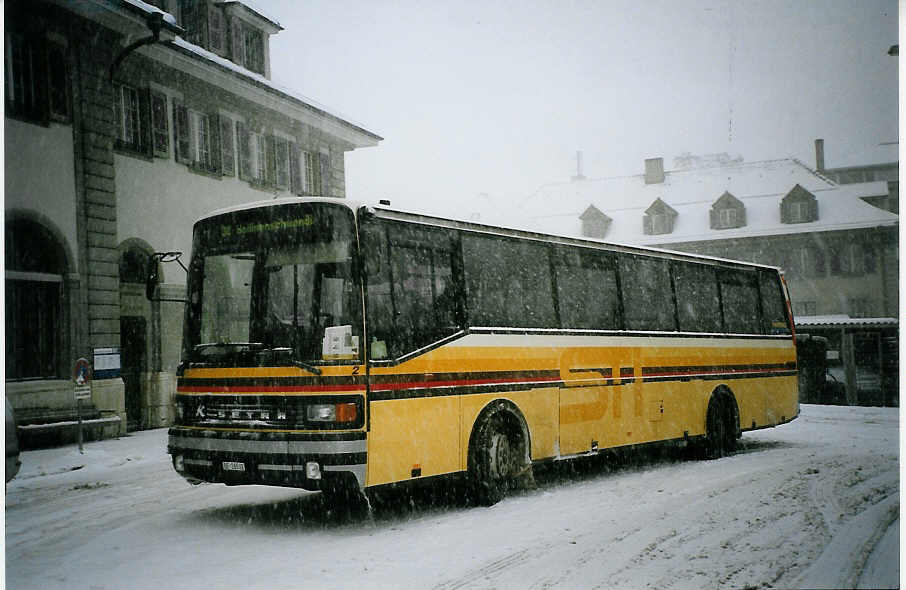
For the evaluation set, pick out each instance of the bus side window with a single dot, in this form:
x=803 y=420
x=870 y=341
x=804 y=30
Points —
x=739 y=297
x=508 y=283
x=647 y=297
x=697 y=297
x=587 y=290
x=379 y=302
x=773 y=305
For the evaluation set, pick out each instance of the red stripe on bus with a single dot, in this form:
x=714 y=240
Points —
x=268 y=388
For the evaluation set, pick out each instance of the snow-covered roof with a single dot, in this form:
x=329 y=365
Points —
x=137 y=11
x=760 y=186
x=843 y=320
x=254 y=10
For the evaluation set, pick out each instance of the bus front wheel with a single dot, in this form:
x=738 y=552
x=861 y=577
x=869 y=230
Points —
x=498 y=459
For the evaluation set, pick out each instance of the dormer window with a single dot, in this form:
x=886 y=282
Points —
x=727 y=212
x=659 y=219
x=594 y=223
x=230 y=29
x=798 y=206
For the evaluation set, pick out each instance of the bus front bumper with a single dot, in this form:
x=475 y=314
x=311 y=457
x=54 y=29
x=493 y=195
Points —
x=315 y=461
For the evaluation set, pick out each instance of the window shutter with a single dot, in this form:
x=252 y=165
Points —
x=295 y=170
x=870 y=261
x=281 y=162
x=145 y=142
x=160 y=132
x=227 y=153
x=237 y=49
x=216 y=154
x=215 y=29
x=785 y=211
x=181 y=141
x=245 y=156
x=57 y=87
x=325 y=174
x=813 y=210
x=117 y=113
x=715 y=218
x=270 y=169
x=646 y=225
x=741 y=217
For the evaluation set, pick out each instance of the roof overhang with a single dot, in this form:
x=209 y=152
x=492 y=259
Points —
x=251 y=15
x=213 y=69
x=844 y=321
x=130 y=18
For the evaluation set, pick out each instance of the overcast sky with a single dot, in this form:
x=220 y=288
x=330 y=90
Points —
x=492 y=99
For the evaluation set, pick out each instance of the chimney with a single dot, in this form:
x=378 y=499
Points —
x=579 y=175
x=654 y=170
x=819 y=155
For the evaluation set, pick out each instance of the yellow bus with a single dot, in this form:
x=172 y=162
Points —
x=331 y=346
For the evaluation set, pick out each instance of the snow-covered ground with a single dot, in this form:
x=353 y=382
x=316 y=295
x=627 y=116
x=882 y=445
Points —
x=814 y=503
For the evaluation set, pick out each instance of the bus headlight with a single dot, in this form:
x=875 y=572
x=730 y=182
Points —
x=345 y=412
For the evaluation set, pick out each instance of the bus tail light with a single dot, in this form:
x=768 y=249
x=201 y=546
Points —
x=345 y=412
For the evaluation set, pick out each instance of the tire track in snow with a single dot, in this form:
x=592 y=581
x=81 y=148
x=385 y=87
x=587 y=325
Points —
x=841 y=563
x=489 y=571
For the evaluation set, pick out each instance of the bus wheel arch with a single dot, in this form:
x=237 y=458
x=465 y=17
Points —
x=721 y=423
x=499 y=452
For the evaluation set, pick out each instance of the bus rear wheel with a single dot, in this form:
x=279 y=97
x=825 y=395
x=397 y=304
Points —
x=720 y=428
x=498 y=460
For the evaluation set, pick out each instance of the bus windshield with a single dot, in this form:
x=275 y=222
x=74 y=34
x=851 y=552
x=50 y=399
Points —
x=274 y=286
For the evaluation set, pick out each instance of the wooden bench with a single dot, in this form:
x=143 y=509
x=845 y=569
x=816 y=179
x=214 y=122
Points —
x=47 y=427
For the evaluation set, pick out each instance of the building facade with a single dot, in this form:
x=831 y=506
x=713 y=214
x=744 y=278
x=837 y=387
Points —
x=837 y=243
x=125 y=121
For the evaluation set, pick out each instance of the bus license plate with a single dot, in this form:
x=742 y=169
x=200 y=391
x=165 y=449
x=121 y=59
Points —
x=233 y=466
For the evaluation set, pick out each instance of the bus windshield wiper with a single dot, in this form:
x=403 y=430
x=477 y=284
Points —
x=307 y=366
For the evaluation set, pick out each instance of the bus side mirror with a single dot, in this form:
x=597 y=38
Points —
x=152 y=279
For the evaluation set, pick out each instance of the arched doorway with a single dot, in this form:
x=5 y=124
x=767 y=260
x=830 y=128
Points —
x=36 y=318
x=135 y=331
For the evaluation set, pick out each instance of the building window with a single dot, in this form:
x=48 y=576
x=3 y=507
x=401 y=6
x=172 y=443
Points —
x=197 y=138
x=805 y=308
x=852 y=259
x=35 y=264
x=36 y=79
x=594 y=223
x=859 y=307
x=128 y=118
x=659 y=218
x=191 y=14
x=727 y=212
x=160 y=128
x=254 y=49
x=248 y=46
x=217 y=30
x=258 y=147
x=806 y=261
x=201 y=134
x=798 y=206
x=256 y=156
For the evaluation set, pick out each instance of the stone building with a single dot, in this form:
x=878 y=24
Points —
x=111 y=154
x=837 y=242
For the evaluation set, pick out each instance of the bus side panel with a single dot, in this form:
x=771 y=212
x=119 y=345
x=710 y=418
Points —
x=412 y=438
x=538 y=406
x=782 y=400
